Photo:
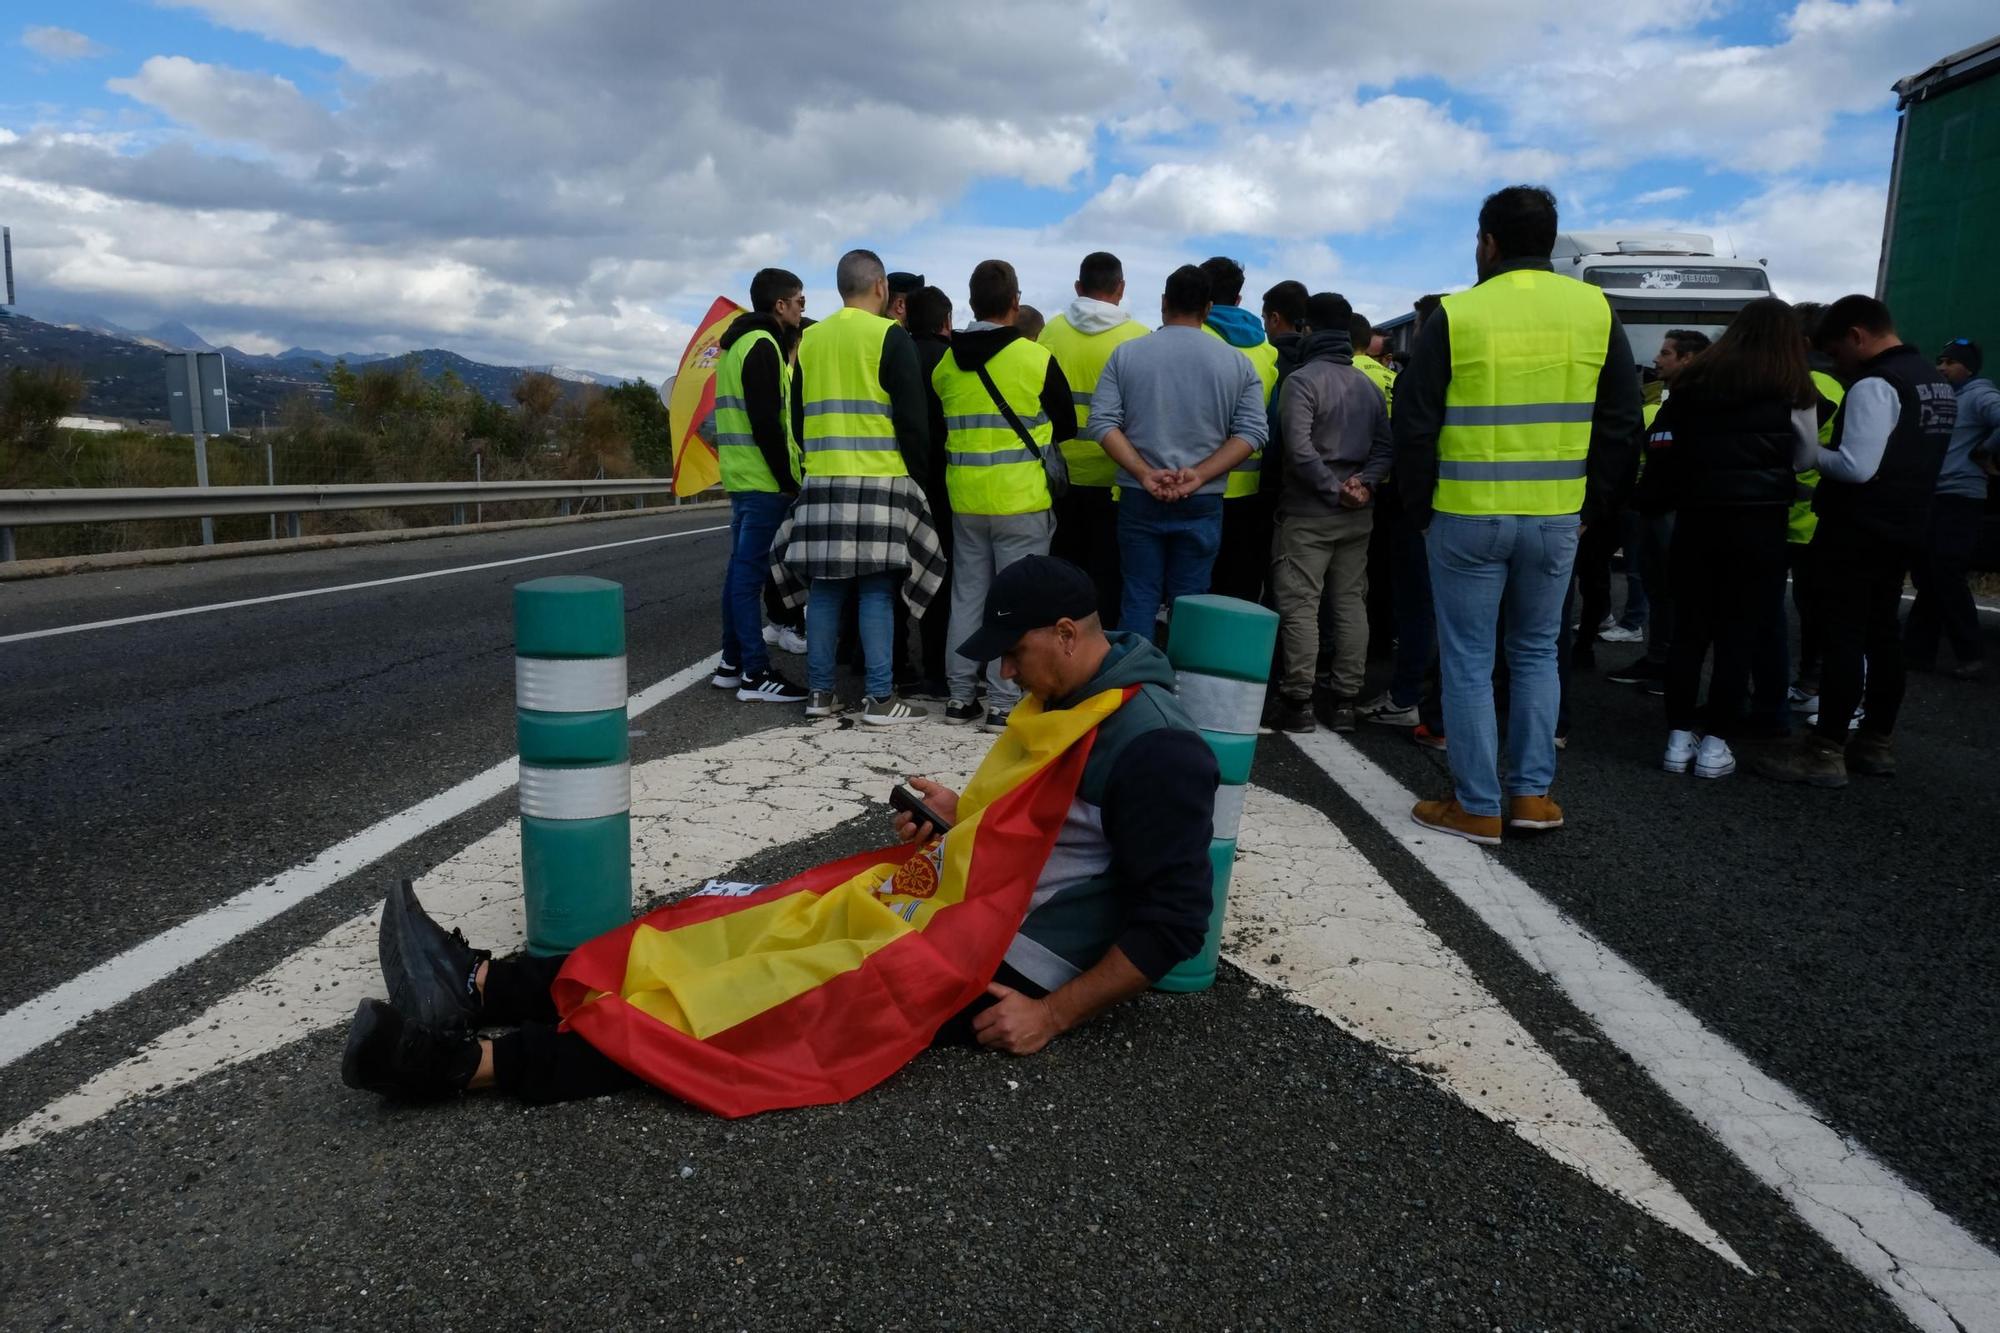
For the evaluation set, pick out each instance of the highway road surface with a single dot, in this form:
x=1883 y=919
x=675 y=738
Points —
x=1718 y=1055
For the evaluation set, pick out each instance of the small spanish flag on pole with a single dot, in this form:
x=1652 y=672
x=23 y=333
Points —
x=816 y=989
x=696 y=467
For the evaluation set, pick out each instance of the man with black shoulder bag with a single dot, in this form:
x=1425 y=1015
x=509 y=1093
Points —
x=1006 y=406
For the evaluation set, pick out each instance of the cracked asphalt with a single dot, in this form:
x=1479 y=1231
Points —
x=1224 y=1160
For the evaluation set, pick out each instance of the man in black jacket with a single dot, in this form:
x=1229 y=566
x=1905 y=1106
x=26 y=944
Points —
x=1874 y=505
x=929 y=317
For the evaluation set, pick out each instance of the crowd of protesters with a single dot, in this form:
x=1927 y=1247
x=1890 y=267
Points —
x=884 y=464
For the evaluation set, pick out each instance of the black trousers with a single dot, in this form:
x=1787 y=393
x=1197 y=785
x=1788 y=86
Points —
x=933 y=629
x=542 y=1066
x=1944 y=606
x=1243 y=561
x=1593 y=575
x=1860 y=600
x=1727 y=564
x=1805 y=600
x=1087 y=537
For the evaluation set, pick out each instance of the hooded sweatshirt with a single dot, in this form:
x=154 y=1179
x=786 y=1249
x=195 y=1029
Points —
x=1087 y=314
x=1335 y=426
x=1976 y=436
x=761 y=396
x=1130 y=867
x=1236 y=326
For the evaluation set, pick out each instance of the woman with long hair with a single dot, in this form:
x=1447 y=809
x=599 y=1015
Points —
x=1720 y=454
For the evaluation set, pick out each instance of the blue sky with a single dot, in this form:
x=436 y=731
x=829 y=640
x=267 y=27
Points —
x=574 y=182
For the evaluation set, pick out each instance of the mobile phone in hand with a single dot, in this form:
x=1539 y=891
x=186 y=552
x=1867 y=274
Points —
x=904 y=797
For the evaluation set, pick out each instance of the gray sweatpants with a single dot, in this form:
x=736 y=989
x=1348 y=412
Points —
x=981 y=546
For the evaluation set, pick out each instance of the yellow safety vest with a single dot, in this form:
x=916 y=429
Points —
x=1082 y=357
x=743 y=465
x=849 y=429
x=1526 y=351
x=1247 y=476
x=1803 y=522
x=1381 y=376
x=987 y=469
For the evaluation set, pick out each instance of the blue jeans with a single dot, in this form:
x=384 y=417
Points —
x=754 y=517
x=1480 y=566
x=824 y=607
x=1167 y=551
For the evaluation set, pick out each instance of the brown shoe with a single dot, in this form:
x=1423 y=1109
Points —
x=1869 y=752
x=1450 y=817
x=1813 y=759
x=1533 y=812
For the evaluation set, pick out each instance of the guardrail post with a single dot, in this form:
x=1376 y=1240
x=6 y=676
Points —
x=292 y=525
x=1220 y=648
x=6 y=544
x=458 y=515
x=563 y=506
x=576 y=769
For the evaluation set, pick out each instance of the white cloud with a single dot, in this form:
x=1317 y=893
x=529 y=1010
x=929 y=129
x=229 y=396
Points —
x=231 y=104
x=59 y=44
x=1663 y=196
x=1822 y=240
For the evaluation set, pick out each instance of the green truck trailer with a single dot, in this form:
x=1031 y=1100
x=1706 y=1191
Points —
x=1940 y=270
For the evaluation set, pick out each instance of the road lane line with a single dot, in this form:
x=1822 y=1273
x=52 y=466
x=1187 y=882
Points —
x=349 y=587
x=49 y=1015
x=1938 y=1274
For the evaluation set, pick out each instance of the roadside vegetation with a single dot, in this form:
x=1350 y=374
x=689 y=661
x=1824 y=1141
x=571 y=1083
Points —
x=385 y=423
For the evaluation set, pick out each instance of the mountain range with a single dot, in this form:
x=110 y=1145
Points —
x=123 y=376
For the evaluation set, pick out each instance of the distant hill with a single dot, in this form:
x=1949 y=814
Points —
x=124 y=376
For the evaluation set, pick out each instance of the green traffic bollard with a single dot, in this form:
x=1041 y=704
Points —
x=576 y=759
x=1221 y=651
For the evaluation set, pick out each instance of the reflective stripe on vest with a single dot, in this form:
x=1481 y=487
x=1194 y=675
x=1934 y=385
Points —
x=743 y=465
x=850 y=431
x=1526 y=351
x=1246 y=477
x=1082 y=357
x=987 y=469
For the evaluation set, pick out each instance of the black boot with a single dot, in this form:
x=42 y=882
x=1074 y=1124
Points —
x=429 y=969
x=395 y=1057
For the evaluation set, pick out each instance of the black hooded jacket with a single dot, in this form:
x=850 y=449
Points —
x=761 y=392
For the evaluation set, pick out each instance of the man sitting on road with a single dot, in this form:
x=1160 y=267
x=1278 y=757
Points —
x=1123 y=896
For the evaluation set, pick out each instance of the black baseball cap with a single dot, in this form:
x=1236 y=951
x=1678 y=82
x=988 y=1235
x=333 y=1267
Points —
x=1965 y=352
x=1032 y=593
x=902 y=284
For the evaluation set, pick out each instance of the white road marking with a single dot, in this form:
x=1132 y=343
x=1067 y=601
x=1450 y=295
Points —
x=54 y=1012
x=1310 y=913
x=348 y=587
x=1301 y=890
x=1937 y=1273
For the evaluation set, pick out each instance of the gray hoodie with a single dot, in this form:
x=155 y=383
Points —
x=1335 y=426
x=1976 y=435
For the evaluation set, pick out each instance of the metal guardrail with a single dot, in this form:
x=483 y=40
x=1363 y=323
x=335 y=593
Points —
x=34 y=508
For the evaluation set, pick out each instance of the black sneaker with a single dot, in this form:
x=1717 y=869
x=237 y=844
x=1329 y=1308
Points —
x=770 y=688
x=1293 y=715
x=429 y=970
x=961 y=711
x=996 y=720
x=1343 y=718
x=726 y=677
x=391 y=1056
x=1641 y=672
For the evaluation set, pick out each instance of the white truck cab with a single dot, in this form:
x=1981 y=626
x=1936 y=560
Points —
x=1661 y=280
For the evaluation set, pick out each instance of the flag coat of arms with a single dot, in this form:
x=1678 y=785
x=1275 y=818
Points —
x=815 y=989
x=696 y=467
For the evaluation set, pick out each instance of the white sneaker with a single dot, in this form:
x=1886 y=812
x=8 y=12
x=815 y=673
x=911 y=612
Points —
x=771 y=688
x=1621 y=634
x=785 y=639
x=1681 y=747
x=1714 y=759
x=1609 y=622
x=1801 y=702
x=1387 y=712
x=891 y=712
x=726 y=677
x=1812 y=718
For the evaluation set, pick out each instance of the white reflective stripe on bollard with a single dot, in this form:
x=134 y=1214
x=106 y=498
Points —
x=1228 y=811
x=575 y=793
x=1217 y=703
x=569 y=684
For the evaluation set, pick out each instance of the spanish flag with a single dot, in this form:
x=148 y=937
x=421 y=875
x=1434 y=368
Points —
x=696 y=467
x=816 y=989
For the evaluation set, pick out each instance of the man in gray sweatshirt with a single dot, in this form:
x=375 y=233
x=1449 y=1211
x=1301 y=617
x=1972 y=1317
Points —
x=1175 y=410
x=1944 y=607
x=1336 y=448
